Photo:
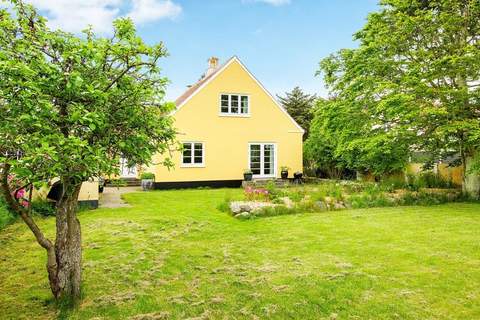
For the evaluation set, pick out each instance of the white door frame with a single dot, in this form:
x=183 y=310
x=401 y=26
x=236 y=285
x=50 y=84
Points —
x=262 y=164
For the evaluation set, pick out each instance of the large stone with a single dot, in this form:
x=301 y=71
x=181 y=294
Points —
x=243 y=215
x=339 y=206
x=237 y=207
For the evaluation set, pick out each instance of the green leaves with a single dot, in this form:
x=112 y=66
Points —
x=410 y=85
x=300 y=106
x=74 y=105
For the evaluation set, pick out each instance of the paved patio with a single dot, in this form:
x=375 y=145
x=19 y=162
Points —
x=111 y=197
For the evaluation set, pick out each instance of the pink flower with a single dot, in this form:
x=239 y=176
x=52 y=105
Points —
x=20 y=193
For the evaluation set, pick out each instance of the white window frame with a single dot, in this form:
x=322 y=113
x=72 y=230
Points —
x=230 y=113
x=262 y=164
x=192 y=156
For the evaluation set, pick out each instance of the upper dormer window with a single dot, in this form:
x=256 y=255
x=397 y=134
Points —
x=234 y=104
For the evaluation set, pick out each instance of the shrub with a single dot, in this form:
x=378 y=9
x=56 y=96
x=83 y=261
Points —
x=335 y=191
x=382 y=200
x=393 y=183
x=274 y=193
x=43 y=208
x=412 y=183
x=428 y=179
x=354 y=186
x=147 y=176
x=307 y=206
x=118 y=183
x=224 y=206
x=359 y=201
x=297 y=195
x=373 y=190
x=6 y=217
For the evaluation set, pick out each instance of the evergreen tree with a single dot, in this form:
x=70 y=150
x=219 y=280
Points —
x=300 y=106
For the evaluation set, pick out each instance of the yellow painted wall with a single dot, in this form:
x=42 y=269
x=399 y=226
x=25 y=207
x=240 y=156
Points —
x=89 y=191
x=226 y=138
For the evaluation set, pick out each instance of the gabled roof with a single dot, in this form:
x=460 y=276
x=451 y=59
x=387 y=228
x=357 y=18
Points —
x=193 y=90
x=190 y=91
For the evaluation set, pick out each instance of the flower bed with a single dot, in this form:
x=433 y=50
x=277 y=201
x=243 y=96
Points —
x=334 y=195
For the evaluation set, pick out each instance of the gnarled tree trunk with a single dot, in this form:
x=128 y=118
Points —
x=64 y=258
x=68 y=246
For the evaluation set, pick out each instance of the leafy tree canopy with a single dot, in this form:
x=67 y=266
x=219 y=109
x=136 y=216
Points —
x=412 y=84
x=73 y=106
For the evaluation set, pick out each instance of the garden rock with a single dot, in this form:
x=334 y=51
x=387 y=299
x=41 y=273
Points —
x=339 y=206
x=287 y=202
x=321 y=205
x=237 y=207
x=243 y=215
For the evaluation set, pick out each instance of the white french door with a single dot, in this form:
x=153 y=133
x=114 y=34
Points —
x=262 y=159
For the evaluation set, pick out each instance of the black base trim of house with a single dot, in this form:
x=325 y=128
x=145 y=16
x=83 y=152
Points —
x=197 y=184
x=90 y=204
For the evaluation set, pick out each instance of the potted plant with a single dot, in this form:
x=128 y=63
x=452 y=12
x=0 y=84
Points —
x=247 y=175
x=284 y=172
x=148 y=180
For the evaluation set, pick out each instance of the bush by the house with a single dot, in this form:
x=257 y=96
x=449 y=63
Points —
x=6 y=217
x=43 y=208
x=147 y=176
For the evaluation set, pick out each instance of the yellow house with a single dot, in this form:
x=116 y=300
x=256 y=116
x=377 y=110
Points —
x=228 y=123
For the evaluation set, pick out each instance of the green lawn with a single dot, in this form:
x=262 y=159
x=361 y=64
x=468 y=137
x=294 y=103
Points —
x=175 y=256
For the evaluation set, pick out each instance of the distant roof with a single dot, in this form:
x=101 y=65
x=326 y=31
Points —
x=194 y=87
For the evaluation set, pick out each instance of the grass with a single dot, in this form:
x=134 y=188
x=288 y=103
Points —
x=174 y=255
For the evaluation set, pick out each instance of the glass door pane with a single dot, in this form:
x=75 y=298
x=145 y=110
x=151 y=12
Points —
x=268 y=159
x=255 y=158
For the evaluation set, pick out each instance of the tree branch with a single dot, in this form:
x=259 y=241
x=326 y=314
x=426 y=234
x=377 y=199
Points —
x=14 y=205
x=128 y=68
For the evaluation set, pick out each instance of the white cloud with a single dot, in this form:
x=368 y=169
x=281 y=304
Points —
x=150 y=10
x=76 y=15
x=272 y=2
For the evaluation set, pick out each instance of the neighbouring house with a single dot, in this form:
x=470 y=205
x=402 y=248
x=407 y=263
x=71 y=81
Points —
x=88 y=196
x=228 y=123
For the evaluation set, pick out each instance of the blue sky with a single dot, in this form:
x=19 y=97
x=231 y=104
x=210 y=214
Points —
x=280 y=41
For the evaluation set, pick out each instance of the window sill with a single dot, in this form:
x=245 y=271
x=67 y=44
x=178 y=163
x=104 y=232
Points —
x=233 y=115
x=192 y=166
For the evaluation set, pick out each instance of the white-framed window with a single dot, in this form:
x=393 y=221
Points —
x=262 y=159
x=234 y=104
x=193 y=154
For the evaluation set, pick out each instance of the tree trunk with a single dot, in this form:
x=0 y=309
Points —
x=471 y=181
x=68 y=247
x=64 y=258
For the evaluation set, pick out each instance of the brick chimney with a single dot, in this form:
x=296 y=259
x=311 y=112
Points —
x=212 y=66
